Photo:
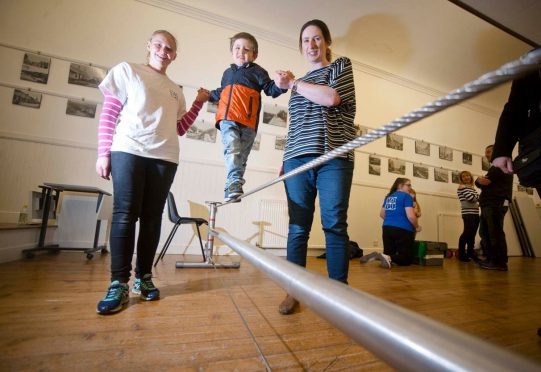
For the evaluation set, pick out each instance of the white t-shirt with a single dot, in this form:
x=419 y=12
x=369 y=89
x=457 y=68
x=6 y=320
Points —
x=152 y=105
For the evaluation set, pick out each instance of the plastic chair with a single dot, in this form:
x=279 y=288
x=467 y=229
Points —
x=177 y=221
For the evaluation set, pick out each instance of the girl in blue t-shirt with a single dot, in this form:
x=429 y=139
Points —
x=399 y=224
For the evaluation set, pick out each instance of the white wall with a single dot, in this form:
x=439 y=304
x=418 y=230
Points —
x=46 y=145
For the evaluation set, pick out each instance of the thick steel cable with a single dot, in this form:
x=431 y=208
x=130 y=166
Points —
x=400 y=337
x=509 y=71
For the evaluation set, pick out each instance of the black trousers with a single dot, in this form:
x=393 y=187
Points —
x=491 y=231
x=467 y=239
x=398 y=244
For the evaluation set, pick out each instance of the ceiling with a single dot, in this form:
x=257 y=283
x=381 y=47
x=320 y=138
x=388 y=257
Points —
x=433 y=43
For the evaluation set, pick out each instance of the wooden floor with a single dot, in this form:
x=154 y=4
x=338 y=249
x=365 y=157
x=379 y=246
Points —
x=223 y=320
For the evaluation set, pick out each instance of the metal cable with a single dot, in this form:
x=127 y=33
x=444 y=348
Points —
x=509 y=71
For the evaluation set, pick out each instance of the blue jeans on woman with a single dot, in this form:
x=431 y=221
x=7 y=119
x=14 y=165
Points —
x=140 y=188
x=238 y=141
x=332 y=180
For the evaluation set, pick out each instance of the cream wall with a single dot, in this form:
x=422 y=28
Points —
x=46 y=145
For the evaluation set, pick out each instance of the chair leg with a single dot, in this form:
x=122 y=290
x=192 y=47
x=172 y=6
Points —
x=167 y=244
x=201 y=243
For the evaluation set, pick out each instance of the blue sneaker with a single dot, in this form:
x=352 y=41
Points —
x=114 y=299
x=148 y=291
x=136 y=286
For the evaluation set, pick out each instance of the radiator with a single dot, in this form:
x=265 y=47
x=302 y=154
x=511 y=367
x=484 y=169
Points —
x=450 y=228
x=273 y=223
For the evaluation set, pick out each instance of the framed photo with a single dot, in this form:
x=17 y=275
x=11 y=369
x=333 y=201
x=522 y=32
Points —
x=212 y=107
x=441 y=175
x=395 y=142
x=275 y=115
x=467 y=158
x=35 y=68
x=257 y=142
x=422 y=148
x=455 y=177
x=280 y=142
x=26 y=98
x=87 y=76
x=374 y=165
x=485 y=164
x=79 y=108
x=446 y=153
x=397 y=166
x=202 y=131
x=420 y=171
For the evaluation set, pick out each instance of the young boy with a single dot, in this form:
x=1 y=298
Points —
x=239 y=104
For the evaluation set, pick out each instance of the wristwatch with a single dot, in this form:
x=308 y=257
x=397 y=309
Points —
x=294 y=87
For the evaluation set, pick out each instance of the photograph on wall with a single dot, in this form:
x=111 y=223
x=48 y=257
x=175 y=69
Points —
x=257 y=142
x=212 y=107
x=26 y=98
x=374 y=165
x=420 y=171
x=485 y=164
x=467 y=158
x=441 y=175
x=397 y=166
x=422 y=148
x=446 y=153
x=280 y=142
x=275 y=115
x=455 y=177
x=202 y=131
x=80 y=108
x=35 y=68
x=88 y=76
x=395 y=142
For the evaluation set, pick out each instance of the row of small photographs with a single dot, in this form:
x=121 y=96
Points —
x=33 y=99
x=396 y=142
x=272 y=113
x=398 y=166
x=36 y=69
x=206 y=131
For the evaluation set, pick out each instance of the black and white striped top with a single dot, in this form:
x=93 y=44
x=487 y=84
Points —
x=315 y=129
x=469 y=200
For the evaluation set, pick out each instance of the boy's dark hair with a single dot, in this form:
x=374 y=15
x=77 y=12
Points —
x=243 y=35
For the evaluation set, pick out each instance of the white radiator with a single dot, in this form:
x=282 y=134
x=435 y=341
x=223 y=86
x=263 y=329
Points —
x=450 y=228
x=273 y=223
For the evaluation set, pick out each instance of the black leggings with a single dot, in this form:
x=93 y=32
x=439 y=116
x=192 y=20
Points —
x=398 y=244
x=467 y=239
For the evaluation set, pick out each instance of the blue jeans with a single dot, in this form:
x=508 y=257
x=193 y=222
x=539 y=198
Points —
x=237 y=140
x=333 y=182
x=140 y=188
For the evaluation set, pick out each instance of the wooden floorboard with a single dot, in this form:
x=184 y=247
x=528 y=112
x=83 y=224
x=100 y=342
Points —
x=227 y=319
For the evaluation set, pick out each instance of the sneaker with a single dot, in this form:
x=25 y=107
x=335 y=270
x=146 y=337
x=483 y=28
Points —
x=136 y=289
x=114 y=299
x=233 y=192
x=493 y=266
x=385 y=260
x=148 y=291
x=370 y=257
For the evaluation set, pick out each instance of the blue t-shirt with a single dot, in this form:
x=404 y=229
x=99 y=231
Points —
x=395 y=210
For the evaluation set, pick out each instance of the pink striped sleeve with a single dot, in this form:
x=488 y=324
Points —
x=108 y=119
x=187 y=120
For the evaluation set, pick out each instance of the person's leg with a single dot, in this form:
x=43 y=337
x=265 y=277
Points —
x=247 y=137
x=463 y=238
x=301 y=194
x=159 y=177
x=387 y=236
x=472 y=224
x=231 y=139
x=334 y=185
x=484 y=234
x=403 y=241
x=496 y=236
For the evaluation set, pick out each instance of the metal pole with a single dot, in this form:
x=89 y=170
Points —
x=403 y=339
x=209 y=247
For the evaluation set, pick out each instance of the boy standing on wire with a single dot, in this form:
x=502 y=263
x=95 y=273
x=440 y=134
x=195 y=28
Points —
x=239 y=104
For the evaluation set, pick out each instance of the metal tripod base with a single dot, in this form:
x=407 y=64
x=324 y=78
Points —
x=207 y=265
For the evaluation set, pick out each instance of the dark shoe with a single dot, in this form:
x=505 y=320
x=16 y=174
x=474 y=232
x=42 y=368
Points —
x=233 y=192
x=493 y=266
x=148 y=291
x=464 y=259
x=288 y=305
x=114 y=299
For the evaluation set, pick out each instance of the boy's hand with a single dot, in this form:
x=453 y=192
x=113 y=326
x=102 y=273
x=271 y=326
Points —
x=284 y=79
x=202 y=95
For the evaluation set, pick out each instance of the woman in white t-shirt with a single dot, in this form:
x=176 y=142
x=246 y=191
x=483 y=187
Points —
x=142 y=115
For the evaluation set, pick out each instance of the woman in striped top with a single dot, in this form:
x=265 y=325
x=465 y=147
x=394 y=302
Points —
x=143 y=113
x=469 y=204
x=321 y=109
